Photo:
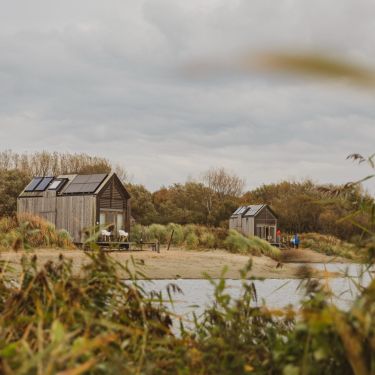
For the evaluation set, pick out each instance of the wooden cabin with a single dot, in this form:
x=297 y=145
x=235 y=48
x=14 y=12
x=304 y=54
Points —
x=78 y=203
x=255 y=220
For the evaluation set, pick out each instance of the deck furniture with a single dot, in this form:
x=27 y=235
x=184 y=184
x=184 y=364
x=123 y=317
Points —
x=106 y=235
x=123 y=236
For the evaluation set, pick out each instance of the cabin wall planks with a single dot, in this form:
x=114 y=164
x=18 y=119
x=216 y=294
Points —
x=78 y=213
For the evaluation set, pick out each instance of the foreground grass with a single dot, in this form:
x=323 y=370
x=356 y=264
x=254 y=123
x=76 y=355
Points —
x=52 y=322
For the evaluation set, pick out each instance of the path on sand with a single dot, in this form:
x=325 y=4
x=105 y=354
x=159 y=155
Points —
x=187 y=264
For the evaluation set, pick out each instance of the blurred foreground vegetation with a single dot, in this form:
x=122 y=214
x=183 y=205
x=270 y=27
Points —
x=52 y=322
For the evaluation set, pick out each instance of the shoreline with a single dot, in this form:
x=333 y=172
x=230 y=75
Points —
x=180 y=263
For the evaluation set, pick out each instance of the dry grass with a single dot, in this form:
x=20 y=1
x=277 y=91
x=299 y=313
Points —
x=28 y=232
x=331 y=245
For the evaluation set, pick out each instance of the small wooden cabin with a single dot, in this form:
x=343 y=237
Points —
x=255 y=220
x=77 y=203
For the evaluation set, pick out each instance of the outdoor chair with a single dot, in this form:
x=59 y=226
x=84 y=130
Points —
x=106 y=235
x=123 y=236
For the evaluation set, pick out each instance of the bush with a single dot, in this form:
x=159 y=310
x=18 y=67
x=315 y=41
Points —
x=220 y=236
x=331 y=245
x=189 y=228
x=137 y=232
x=158 y=232
x=6 y=224
x=238 y=243
x=208 y=240
x=192 y=241
x=265 y=247
x=199 y=236
x=178 y=234
x=28 y=231
x=64 y=239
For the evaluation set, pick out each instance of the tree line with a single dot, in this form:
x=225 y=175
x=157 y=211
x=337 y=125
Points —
x=210 y=200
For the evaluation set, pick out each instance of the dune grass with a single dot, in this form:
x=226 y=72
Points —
x=28 y=232
x=237 y=243
x=331 y=245
x=196 y=237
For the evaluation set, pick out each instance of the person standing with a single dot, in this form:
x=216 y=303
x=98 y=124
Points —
x=291 y=241
x=296 y=241
x=278 y=236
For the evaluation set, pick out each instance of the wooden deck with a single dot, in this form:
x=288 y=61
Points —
x=128 y=246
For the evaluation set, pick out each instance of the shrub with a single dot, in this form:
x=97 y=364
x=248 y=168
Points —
x=238 y=243
x=158 y=232
x=11 y=239
x=195 y=236
x=64 y=239
x=265 y=248
x=178 y=234
x=6 y=224
x=192 y=241
x=138 y=232
x=189 y=228
x=220 y=236
x=331 y=245
x=208 y=240
x=28 y=231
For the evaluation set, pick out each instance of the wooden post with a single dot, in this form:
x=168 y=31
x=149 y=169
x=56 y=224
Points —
x=170 y=239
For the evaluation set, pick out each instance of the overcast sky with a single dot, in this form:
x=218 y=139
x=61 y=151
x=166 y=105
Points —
x=108 y=78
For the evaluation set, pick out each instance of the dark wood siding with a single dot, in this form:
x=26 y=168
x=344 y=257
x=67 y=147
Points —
x=111 y=197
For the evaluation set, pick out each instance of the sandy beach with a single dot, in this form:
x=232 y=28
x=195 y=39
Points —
x=188 y=264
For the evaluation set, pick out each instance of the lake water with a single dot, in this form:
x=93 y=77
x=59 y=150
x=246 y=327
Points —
x=197 y=293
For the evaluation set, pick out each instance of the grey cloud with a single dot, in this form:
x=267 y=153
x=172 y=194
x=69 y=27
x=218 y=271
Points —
x=107 y=78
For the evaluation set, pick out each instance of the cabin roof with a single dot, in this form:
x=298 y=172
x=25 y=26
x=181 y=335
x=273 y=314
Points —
x=253 y=209
x=250 y=210
x=70 y=184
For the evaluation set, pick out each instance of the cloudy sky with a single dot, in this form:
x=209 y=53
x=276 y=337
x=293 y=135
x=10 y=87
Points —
x=108 y=78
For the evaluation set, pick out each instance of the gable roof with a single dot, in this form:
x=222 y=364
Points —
x=106 y=182
x=82 y=183
x=239 y=211
x=254 y=209
x=251 y=210
x=75 y=184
